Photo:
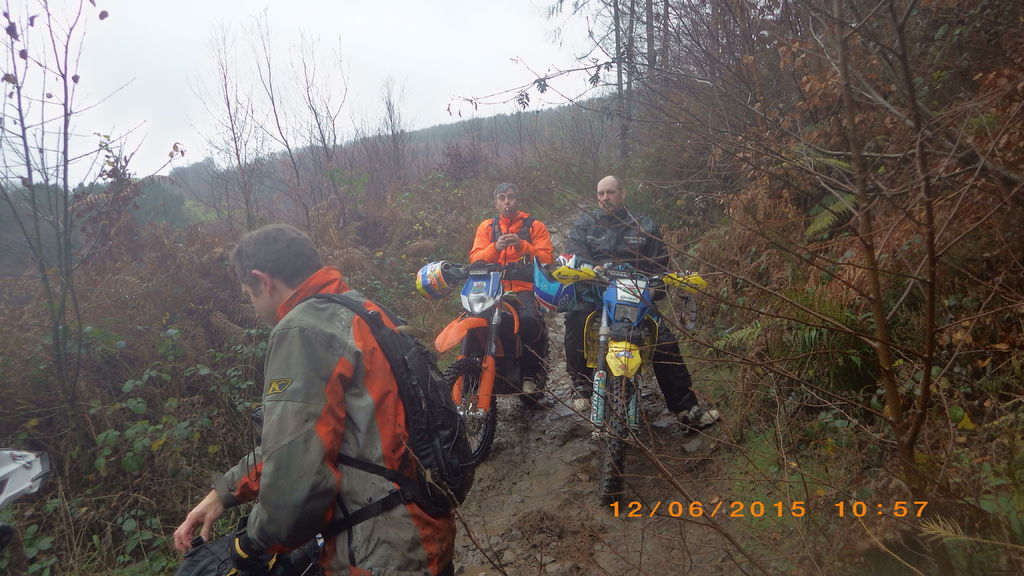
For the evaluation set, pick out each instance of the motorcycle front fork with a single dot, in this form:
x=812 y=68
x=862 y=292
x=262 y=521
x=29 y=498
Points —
x=598 y=400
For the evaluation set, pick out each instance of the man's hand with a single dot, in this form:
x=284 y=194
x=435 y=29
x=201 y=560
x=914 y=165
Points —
x=506 y=240
x=202 y=516
x=246 y=559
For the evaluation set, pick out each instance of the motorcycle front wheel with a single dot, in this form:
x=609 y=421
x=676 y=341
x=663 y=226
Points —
x=480 y=423
x=616 y=433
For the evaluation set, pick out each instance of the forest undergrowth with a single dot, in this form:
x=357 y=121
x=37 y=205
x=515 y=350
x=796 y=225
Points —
x=172 y=357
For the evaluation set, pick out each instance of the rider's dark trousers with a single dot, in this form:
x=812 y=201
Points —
x=534 y=336
x=669 y=368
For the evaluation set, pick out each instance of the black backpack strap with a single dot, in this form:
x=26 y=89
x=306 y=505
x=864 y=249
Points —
x=408 y=491
x=524 y=230
x=379 y=507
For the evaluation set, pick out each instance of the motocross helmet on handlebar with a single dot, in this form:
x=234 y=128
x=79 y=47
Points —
x=437 y=280
x=550 y=293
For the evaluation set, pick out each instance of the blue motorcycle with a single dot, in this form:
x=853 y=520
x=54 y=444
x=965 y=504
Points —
x=619 y=340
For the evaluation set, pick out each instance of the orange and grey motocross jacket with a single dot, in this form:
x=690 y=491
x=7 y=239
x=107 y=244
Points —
x=539 y=247
x=329 y=389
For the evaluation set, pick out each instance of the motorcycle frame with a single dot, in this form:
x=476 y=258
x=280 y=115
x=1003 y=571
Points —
x=469 y=323
x=489 y=359
x=640 y=298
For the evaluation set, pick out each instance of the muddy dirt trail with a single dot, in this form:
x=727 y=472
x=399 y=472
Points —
x=535 y=506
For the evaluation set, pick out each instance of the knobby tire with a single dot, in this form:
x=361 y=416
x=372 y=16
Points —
x=480 y=426
x=616 y=432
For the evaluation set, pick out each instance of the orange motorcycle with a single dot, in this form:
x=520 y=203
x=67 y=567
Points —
x=488 y=333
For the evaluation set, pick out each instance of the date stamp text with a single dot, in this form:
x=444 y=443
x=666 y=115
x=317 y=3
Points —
x=759 y=509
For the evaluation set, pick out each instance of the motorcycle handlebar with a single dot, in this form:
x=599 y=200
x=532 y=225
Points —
x=463 y=271
x=686 y=281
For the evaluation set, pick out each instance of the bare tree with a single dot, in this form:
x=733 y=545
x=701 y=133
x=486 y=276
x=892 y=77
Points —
x=322 y=105
x=39 y=149
x=240 y=139
x=280 y=130
x=394 y=131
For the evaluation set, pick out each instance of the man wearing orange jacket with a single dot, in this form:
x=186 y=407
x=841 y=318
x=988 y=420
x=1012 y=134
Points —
x=328 y=389
x=516 y=238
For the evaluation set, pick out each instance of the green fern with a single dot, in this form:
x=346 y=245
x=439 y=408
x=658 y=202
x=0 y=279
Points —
x=741 y=338
x=829 y=212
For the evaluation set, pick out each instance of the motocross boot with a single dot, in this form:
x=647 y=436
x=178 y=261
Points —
x=697 y=417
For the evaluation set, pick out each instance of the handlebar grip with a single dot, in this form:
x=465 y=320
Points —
x=567 y=275
x=691 y=282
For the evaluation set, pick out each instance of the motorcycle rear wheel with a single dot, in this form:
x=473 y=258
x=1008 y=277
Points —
x=616 y=432
x=480 y=424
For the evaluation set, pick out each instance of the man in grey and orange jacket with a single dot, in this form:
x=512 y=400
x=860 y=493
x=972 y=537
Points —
x=515 y=238
x=328 y=389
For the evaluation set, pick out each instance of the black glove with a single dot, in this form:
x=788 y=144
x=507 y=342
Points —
x=247 y=559
x=658 y=289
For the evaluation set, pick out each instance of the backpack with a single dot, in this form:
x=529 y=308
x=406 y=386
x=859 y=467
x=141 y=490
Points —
x=437 y=434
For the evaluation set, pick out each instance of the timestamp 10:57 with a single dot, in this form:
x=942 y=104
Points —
x=899 y=508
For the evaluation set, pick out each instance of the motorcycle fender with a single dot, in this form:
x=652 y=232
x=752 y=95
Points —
x=456 y=331
x=623 y=358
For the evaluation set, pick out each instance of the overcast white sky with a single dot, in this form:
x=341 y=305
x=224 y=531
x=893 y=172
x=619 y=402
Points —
x=435 y=50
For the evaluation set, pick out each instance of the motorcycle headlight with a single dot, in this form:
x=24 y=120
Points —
x=625 y=313
x=477 y=302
